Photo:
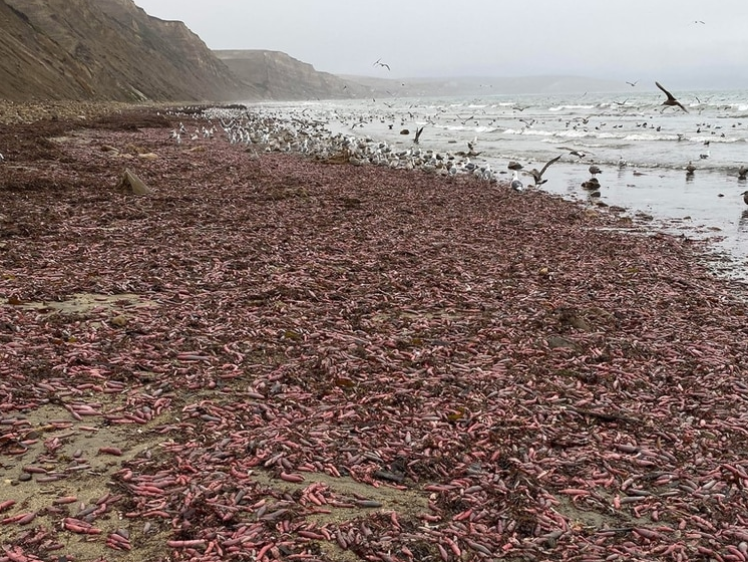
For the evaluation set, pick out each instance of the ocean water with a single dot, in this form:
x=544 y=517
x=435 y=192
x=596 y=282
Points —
x=641 y=146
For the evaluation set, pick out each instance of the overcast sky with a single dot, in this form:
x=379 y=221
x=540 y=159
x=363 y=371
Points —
x=623 y=40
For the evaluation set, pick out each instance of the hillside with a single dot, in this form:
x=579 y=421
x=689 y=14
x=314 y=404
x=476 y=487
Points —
x=106 y=50
x=278 y=76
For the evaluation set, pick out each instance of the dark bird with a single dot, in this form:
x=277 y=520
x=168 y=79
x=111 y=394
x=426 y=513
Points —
x=514 y=165
x=632 y=84
x=745 y=197
x=379 y=62
x=595 y=170
x=591 y=184
x=418 y=135
x=742 y=173
x=538 y=176
x=690 y=169
x=670 y=98
x=471 y=148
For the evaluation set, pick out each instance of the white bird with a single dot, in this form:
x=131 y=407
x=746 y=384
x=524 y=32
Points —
x=516 y=183
x=2 y=158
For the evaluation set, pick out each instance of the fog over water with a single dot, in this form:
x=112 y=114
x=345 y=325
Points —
x=627 y=41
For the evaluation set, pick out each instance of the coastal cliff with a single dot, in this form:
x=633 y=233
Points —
x=106 y=50
x=278 y=76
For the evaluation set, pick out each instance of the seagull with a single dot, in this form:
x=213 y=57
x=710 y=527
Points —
x=517 y=185
x=379 y=63
x=632 y=84
x=670 y=98
x=528 y=124
x=690 y=169
x=745 y=197
x=573 y=152
x=595 y=170
x=418 y=135
x=742 y=173
x=538 y=176
x=471 y=147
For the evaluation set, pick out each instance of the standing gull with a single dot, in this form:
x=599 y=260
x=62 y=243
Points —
x=670 y=98
x=516 y=183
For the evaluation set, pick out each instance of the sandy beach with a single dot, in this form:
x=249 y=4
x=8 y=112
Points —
x=269 y=357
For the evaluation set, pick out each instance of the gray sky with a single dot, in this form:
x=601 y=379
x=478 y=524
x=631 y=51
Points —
x=619 y=39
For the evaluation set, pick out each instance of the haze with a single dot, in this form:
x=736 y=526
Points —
x=630 y=40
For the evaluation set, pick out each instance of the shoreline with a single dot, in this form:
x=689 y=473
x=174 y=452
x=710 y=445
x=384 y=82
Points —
x=441 y=364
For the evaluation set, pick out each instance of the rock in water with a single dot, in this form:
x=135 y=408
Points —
x=130 y=183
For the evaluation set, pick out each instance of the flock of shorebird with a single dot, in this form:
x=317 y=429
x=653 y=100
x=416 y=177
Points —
x=279 y=132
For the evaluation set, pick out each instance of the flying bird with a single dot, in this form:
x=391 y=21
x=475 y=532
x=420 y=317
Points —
x=574 y=152
x=538 y=176
x=632 y=84
x=471 y=147
x=418 y=135
x=379 y=62
x=670 y=98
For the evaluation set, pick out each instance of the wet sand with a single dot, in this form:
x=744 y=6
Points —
x=706 y=206
x=280 y=358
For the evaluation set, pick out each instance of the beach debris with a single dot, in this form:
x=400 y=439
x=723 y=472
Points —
x=514 y=165
x=132 y=184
